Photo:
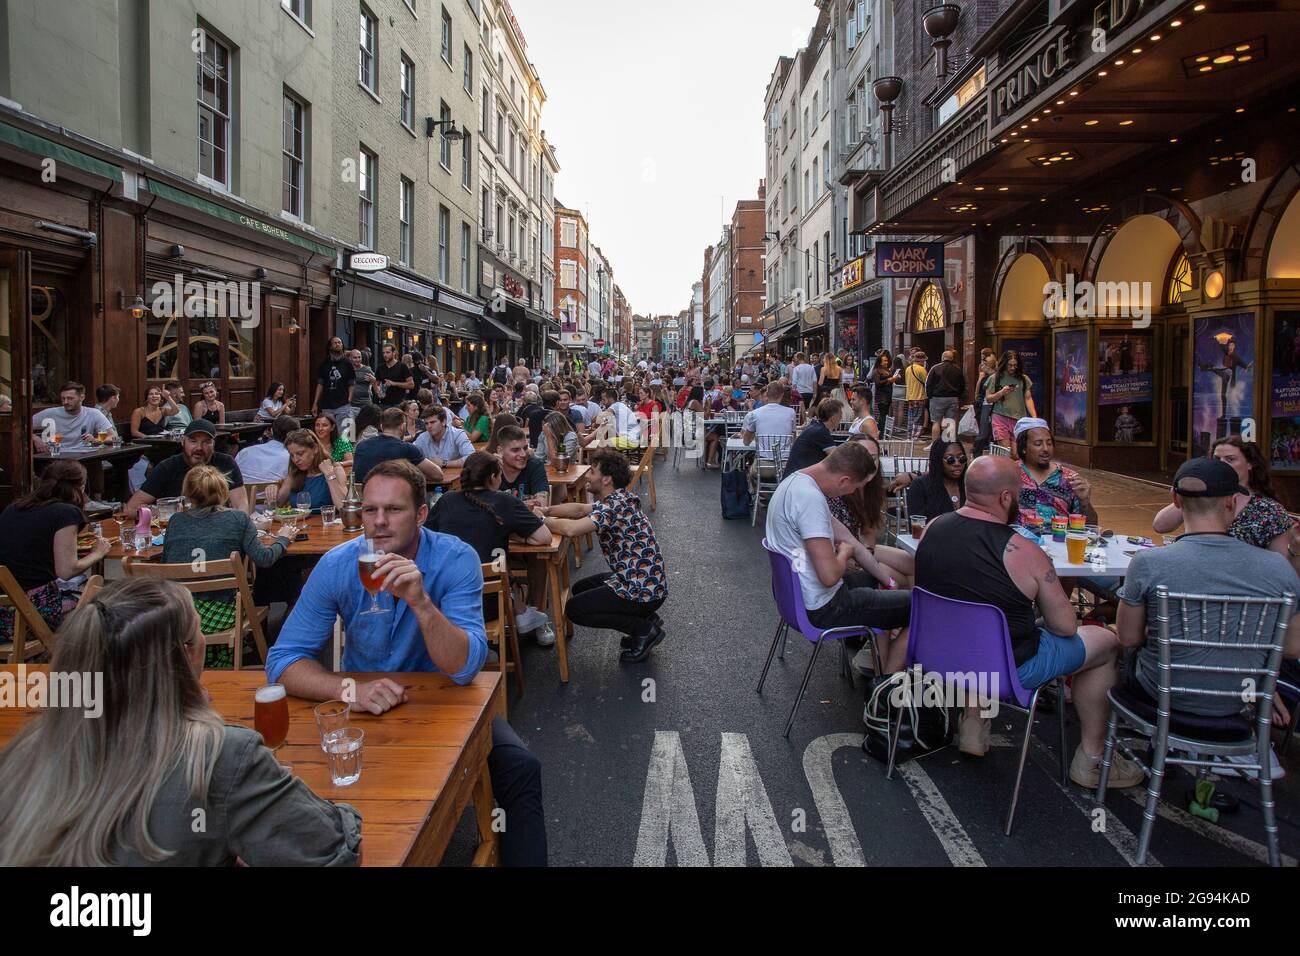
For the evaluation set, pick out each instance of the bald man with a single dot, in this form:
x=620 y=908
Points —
x=946 y=388
x=974 y=555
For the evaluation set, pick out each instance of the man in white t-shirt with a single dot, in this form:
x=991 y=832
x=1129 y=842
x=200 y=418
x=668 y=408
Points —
x=268 y=461
x=593 y=368
x=72 y=420
x=772 y=421
x=803 y=379
x=799 y=524
x=625 y=430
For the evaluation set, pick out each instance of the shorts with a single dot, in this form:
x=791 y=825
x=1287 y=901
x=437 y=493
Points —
x=1056 y=657
x=943 y=408
x=1004 y=427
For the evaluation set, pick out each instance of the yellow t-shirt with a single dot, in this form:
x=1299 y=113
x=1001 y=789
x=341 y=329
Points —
x=915 y=379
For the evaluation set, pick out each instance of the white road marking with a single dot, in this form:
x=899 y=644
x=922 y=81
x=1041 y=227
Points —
x=1211 y=831
x=743 y=802
x=836 y=822
x=1116 y=833
x=668 y=810
x=947 y=828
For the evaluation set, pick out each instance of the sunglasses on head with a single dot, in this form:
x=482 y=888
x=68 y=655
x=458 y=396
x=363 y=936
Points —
x=954 y=459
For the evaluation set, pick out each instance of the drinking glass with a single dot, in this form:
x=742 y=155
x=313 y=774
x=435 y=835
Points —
x=331 y=717
x=55 y=446
x=271 y=714
x=142 y=542
x=303 y=501
x=366 y=561
x=918 y=525
x=327 y=516
x=1076 y=546
x=344 y=752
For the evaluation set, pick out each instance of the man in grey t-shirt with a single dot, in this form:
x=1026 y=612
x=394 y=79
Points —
x=1205 y=560
x=71 y=420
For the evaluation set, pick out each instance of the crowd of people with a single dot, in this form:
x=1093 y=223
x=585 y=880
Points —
x=394 y=429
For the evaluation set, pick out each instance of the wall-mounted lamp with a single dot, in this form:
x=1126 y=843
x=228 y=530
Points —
x=440 y=341
x=260 y=273
x=1214 y=285
x=887 y=89
x=388 y=334
x=940 y=22
x=452 y=133
x=177 y=251
x=382 y=310
x=294 y=327
x=137 y=307
x=459 y=343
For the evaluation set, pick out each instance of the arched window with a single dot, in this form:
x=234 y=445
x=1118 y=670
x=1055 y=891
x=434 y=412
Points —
x=929 y=310
x=1180 y=280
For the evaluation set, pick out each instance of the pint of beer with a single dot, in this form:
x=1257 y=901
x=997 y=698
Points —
x=271 y=714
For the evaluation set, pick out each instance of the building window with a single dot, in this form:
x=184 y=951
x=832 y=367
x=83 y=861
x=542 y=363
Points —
x=486 y=123
x=214 y=110
x=568 y=274
x=446 y=36
x=568 y=235
x=826 y=92
x=444 y=241
x=826 y=166
x=510 y=232
x=404 y=217
x=500 y=130
x=293 y=150
x=485 y=217
x=929 y=311
x=367 y=170
x=408 y=92
x=369 y=72
x=514 y=149
x=465 y=240
x=466 y=162
x=826 y=248
x=1180 y=281
x=300 y=9
x=469 y=70
x=444 y=144
x=817 y=268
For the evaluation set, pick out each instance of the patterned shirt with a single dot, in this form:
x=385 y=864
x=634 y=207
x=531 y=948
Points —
x=1052 y=497
x=1262 y=520
x=630 y=548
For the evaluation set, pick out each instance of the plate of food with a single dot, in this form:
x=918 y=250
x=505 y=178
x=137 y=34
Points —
x=290 y=514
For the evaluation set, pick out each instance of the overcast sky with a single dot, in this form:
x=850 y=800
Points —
x=655 y=110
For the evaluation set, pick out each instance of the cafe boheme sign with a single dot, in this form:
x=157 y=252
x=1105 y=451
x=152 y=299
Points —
x=909 y=260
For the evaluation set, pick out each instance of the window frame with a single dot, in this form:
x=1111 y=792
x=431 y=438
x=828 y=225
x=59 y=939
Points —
x=444 y=244
x=367 y=214
x=406 y=85
x=405 y=221
x=220 y=177
x=368 y=79
x=290 y=158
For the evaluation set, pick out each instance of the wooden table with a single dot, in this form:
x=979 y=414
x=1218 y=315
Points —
x=320 y=540
x=570 y=481
x=88 y=454
x=423 y=762
x=556 y=556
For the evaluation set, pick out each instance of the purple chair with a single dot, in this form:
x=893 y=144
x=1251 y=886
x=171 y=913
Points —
x=789 y=605
x=961 y=640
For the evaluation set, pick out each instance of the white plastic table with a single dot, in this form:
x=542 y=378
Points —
x=1117 y=557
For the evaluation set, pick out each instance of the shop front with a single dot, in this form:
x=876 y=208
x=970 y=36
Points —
x=388 y=307
x=516 y=303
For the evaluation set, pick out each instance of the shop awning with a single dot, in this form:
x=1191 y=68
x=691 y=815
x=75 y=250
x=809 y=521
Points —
x=217 y=211
x=783 y=330
x=492 y=329
x=48 y=149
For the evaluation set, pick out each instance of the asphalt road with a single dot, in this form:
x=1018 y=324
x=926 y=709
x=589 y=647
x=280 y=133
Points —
x=679 y=761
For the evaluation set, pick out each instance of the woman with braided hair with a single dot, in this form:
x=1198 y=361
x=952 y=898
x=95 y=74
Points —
x=483 y=516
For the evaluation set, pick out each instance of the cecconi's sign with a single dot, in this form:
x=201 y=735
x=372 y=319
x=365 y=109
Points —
x=367 y=262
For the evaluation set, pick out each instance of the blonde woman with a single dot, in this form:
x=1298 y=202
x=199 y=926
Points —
x=73 y=795
x=311 y=471
x=209 y=528
x=209 y=406
x=828 y=381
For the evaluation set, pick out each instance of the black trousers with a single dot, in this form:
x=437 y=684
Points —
x=517 y=787
x=594 y=604
x=860 y=603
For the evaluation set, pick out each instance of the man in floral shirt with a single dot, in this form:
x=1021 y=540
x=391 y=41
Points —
x=627 y=597
x=1046 y=487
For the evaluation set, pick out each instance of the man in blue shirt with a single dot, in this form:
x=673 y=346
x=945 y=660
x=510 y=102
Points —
x=388 y=446
x=435 y=623
x=442 y=443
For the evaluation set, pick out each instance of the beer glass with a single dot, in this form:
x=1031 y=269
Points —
x=918 y=526
x=366 y=562
x=1076 y=546
x=271 y=714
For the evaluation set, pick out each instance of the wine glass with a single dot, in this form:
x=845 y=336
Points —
x=366 y=560
x=303 y=501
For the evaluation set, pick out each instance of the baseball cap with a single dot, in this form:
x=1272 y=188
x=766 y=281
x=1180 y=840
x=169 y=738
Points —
x=1025 y=424
x=1207 y=478
x=201 y=425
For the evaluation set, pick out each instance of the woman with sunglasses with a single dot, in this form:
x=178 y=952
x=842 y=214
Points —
x=943 y=488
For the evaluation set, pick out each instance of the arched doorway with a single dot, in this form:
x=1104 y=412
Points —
x=929 y=320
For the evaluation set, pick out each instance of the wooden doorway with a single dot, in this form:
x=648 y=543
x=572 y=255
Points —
x=15 y=401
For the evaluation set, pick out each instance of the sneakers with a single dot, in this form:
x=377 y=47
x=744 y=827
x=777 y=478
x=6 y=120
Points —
x=530 y=620
x=1086 y=771
x=973 y=735
x=545 y=635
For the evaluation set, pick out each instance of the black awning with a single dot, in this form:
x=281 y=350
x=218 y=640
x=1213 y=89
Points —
x=490 y=328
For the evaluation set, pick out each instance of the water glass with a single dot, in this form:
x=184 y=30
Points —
x=304 y=501
x=142 y=542
x=331 y=718
x=344 y=752
x=327 y=516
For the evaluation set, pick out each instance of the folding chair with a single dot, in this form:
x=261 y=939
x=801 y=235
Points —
x=26 y=619
x=904 y=465
x=94 y=584
x=1197 y=740
x=644 y=470
x=999 y=451
x=773 y=452
x=502 y=632
x=225 y=575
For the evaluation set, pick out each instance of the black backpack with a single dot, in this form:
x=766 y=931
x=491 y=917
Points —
x=736 y=499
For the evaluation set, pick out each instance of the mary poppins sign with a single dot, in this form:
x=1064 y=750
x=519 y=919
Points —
x=909 y=260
